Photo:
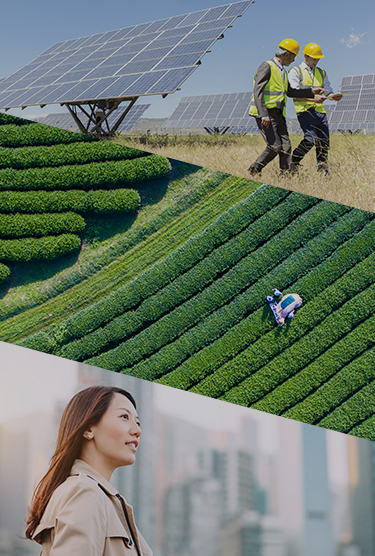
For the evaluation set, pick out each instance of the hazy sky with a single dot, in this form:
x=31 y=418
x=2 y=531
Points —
x=343 y=28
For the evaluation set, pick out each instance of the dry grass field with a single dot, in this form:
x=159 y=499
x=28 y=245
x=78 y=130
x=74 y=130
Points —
x=352 y=163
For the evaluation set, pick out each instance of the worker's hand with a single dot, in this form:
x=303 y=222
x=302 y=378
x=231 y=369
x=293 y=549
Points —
x=335 y=96
x=319 y=90
x=319 y=99
x=266 y=122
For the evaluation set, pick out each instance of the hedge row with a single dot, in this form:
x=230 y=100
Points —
x=96 y=201
x=45 y=248
x=6 y=119
x=366 y=429
x=336 y=390
x=4 y=272
x=59 y=155
x=319 y=371
x=230 y=335
x=20 y=135
x=88 y=176
x=38 y=225
x=238 y=383
x=161 y=273
x=194 y=280
x=361 y=404
x=250 y=269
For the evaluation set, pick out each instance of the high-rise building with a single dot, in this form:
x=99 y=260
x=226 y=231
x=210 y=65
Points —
x=318 y=538
x=362 y=493
x=192 y=518
x=303 y=490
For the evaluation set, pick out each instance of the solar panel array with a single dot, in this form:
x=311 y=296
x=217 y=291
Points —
x=60 y=120
x=214 y=111
x=147 y=59
x=356 y=110
x=66 y=121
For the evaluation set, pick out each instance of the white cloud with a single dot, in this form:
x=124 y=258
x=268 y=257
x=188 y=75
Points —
x=354 y=39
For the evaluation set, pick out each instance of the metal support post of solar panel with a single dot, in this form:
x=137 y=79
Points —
x=96 y=73
x=65 y=120
x=355 y=112
x=215 y=113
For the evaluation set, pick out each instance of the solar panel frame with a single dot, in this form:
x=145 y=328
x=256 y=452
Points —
x=204 y=27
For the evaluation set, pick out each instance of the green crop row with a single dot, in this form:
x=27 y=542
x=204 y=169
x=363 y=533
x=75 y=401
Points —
x=163 y=272
x=16 y=135
x=59 y=155
x=37 y=225
x=96 y=201
x=249 y=377
x=249 y=270
x=293 y=390
x=333 y=392
x=88 y=176
x=6 y=119
x=366 y=429
x=4 y=272
x=360 y=406
x=31 y=249
x=226 y=329
x=194 y=280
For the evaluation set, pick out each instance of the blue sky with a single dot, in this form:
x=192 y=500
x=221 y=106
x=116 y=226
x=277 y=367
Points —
x=344 y=29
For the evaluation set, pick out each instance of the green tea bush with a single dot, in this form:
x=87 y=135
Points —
x=45 y=248
x=88 y=176
x=65 y=154
x=32 y=134
x=38 y=225
x=95 y=201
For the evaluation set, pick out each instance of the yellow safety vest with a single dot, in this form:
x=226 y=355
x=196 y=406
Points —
x=274 y=93
x=317 y=81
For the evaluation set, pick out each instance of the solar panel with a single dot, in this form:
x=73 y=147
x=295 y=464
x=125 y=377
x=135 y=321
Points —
x=213 y=111
x=66 y=121
x=356 y=109
x=151 y=58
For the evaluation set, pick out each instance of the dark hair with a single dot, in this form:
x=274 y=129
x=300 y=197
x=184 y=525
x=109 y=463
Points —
x=85 y=409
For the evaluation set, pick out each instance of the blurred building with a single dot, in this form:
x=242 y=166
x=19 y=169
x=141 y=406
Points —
x=304 y=504
x=192 y=518
x=318 y=537
x=362 y=494
x=250 y=534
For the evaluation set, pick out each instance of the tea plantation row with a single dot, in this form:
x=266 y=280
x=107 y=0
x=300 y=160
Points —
x=45 y=171
x=198 y=320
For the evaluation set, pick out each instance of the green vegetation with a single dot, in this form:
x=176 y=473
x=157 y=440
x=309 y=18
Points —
x=46 y=173
x=197 y=319
x=175 y=292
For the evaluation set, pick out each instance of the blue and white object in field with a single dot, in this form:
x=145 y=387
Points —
x=284 y=306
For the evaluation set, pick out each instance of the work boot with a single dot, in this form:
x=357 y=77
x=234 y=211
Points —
x=323 y=168
x=255 y=169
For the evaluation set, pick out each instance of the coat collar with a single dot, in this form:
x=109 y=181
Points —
x=80 y=466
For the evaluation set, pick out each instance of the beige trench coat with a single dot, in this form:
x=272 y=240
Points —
x=86 y=516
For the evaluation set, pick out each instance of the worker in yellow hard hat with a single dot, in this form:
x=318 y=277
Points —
x=268 y=105
x=311 y=113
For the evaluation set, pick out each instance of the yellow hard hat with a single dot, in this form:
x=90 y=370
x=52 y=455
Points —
x=314 y=50
x=291 y=45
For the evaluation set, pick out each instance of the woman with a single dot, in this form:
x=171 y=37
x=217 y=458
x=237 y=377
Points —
x=75 y=510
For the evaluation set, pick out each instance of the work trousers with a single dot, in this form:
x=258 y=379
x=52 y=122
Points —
x=315 y=128
x=277 y=138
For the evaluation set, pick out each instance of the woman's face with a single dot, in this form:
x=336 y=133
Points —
x=115 y=439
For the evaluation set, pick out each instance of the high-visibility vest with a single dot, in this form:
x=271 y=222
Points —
x=274 y=93
x=305 y=80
